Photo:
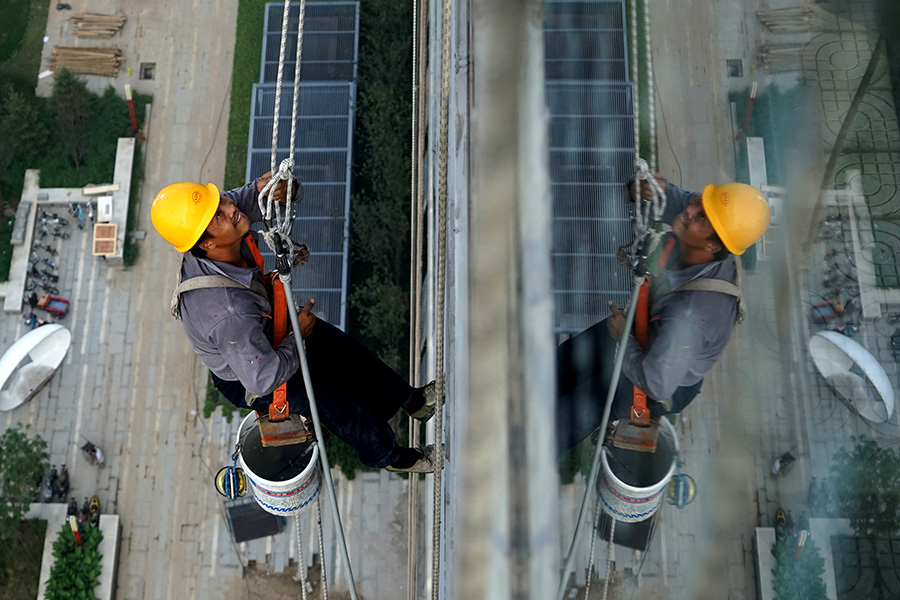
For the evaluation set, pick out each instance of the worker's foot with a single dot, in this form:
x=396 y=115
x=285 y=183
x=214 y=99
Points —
x=426 y=399
x=414 y=460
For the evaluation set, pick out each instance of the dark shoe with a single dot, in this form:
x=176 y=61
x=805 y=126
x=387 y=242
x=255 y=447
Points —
x=427 y=411
x=425 y=463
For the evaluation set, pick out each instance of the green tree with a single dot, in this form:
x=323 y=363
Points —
x=21 y=123
x=866 y=483
x=23 y=461
x=71 y=102
x=799 y=579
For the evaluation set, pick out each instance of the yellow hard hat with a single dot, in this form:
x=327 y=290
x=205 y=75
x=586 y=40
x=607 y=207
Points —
x=738 y=212
x=181 y=212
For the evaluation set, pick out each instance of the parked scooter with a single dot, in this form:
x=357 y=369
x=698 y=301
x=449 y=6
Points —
x=94 y=511
x=72 y=510
x=50 y=485
x=62 y=483
x=780 y=524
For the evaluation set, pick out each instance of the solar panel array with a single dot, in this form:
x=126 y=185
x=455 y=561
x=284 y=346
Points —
x=323 y=144
x=589 y=99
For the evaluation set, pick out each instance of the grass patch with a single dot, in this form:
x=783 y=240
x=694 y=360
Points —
x=22 y=41
x=20 y=562
x=245 y=72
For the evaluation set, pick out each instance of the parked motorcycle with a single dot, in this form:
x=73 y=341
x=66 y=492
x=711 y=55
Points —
x=50 y=485
x=94 y=511
x=53 y=251
x=62 y=483
x=780 y=524
x=72 y=510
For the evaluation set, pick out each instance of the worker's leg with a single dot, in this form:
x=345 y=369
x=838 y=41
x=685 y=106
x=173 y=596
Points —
x=356 y=393
x=584 y=369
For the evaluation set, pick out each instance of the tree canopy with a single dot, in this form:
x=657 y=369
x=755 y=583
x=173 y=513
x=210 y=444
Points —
x=23 y=462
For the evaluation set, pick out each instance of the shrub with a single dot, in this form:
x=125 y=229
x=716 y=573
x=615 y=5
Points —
x=76 y=569
x=866 y=483
x=798 y=579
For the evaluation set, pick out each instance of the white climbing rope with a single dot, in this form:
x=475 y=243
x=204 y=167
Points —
x=441 y=216
x=646 y=239
x=324 y=577
x=277 y=238
x=415 y=293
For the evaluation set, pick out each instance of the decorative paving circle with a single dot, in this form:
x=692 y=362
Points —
x=844 y=60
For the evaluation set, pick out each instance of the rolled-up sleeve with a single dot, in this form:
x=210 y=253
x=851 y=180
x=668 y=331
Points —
x=661 y=370
x=242 y=342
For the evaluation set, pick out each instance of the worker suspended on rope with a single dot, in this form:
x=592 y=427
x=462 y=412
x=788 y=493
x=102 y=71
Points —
x=690 y=319
x=229 y=325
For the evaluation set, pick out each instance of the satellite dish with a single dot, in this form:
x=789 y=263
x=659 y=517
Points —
x=854 y=373
x=30 y=363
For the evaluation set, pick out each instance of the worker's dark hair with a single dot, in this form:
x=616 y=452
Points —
x=196 y=250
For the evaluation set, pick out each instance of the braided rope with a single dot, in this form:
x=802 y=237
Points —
x=277 y=238
x=590 y=566
x=321 y=550
x=645 y=211
x=443 y=152
x=301 y=563
x=609 y=560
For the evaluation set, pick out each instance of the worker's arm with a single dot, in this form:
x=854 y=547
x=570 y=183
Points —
x=676 y=198
x=246 y=197
x=673 y=352
x=243 y=344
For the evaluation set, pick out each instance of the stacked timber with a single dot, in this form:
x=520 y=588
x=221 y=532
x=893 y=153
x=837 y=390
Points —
x=787 y=20
x=86 y=60
x=96 y=26
x=781 y=57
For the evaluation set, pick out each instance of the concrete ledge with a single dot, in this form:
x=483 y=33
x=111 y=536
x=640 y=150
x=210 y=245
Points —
x=110 y=525
x=18 y=268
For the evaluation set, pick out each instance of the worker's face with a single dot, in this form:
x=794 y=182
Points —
x=693 y=228
x=229 y=224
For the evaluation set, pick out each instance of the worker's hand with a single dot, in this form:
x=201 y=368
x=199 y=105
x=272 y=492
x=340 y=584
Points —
x=301 y=255
x=646 y=191
x=280 y=189
x=306 y=319
x=615 y=323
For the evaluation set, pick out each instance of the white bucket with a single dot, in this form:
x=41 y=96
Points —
x=633 y=484
x=278 y=490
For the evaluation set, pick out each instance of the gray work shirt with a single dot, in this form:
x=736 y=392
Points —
x=227 y=326
x=688 y=330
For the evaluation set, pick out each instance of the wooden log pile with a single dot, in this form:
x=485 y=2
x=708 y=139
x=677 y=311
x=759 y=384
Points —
x=781 y=57
x=87 y=60
x=96 y=26
x=788 y=20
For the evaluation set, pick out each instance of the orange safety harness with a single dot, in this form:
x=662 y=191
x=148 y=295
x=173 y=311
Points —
x=640 y=415
x=278 y=409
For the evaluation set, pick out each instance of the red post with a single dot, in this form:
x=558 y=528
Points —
x=131 y=108
x=73 y=525
x=750 y=107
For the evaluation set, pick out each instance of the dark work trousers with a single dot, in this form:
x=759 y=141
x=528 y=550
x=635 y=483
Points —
x=356 y=393
x=584 y=369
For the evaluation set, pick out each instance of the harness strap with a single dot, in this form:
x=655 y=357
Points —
x=278 y=409
x=204 y=282
x=640 y=415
